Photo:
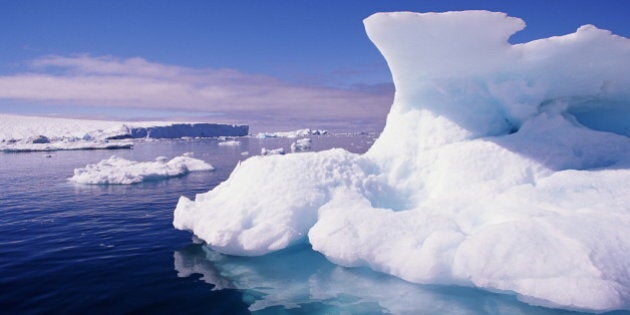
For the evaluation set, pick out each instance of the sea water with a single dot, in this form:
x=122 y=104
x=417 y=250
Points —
x=67 y=248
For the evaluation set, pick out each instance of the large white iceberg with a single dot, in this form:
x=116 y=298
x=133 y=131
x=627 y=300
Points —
x=119 y=171
x=505 y=167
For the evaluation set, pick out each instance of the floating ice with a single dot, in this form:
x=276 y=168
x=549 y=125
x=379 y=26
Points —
x=230 y=143
x=292 y=134
x=504 y=167
x=120 y=171
x=301 y=145
x=265 y=151
x=27 y=146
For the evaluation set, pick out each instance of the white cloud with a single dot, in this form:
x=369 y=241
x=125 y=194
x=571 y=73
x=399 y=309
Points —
x=106 y=81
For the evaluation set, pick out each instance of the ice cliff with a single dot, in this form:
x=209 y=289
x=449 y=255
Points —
x=501 y=166
x=177 y=130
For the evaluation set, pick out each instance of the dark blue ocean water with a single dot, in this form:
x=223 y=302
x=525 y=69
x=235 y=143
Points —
x=67 y=248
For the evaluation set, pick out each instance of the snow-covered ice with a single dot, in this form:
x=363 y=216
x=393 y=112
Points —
x=301 y=145
x=230 y=143
x=30 y=133
x=501 y=166
x=27 y=146
x=292 y=134
x=119 y=171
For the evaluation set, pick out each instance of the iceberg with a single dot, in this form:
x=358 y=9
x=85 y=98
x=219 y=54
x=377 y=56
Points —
x=301 y=145
x=501 y=166
x=119 y=171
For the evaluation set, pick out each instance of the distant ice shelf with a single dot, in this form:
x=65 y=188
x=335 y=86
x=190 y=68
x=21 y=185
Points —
x=64 y=145
x=179 y=130
x=30 y=133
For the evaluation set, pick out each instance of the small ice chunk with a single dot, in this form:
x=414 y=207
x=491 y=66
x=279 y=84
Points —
x=230 y=143
x=265 y=151
x=120 y=171
x=301 y=145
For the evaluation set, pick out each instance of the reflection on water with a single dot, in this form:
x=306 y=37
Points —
x=299 y=280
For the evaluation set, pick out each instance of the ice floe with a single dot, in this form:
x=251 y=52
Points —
x=119 y=171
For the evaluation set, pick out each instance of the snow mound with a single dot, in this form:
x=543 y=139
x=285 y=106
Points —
x=119 y=171
x=493 y=171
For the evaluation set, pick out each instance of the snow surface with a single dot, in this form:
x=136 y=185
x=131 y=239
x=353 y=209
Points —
x=487 y=173
x=119 y=171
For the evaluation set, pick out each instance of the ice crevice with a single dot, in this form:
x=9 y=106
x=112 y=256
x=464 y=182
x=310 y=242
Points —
x=504 y=167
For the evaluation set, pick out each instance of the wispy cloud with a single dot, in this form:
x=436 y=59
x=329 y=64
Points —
x=107 y=81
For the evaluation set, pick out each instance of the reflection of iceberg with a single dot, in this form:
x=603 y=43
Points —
x=301 y=278
x=484 y=175
x=195 y=260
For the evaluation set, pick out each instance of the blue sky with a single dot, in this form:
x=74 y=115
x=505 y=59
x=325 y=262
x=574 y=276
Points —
x=302 y=50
